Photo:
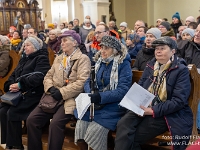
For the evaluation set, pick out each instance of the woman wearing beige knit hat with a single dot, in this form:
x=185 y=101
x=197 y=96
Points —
x=4 y=55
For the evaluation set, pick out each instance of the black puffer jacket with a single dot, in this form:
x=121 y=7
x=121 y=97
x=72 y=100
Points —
x=143 y=57
x=189 y=51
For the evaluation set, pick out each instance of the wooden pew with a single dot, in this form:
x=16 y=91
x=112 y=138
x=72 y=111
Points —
x=193 y=102
x=14 y=59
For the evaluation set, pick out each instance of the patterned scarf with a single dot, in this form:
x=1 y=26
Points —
x=158 y=86
x=65 y=64
x=114 y=71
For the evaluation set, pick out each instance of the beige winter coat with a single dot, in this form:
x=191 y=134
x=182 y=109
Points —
x=79 y=74
x=4 y=59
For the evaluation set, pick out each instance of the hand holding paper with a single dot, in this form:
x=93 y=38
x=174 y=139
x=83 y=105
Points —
x=137 y=96
x=82 y=103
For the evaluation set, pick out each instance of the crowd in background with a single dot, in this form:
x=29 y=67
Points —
x=108 y=47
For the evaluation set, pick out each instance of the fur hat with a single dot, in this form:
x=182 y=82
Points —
x=190 y=18
x=123 y=24
x=165 y=40
x=37 y=43
x=155 y=31
x=71 y=33
x=111 y=41
x=166 y=25
x=51 y=25
x=189 y=31
x=176 y=15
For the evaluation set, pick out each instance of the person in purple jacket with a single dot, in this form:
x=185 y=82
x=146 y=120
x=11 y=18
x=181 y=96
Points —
x=167 y=77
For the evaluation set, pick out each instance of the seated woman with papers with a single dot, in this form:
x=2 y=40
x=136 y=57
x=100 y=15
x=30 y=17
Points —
x=112 y=80
x=167 y=77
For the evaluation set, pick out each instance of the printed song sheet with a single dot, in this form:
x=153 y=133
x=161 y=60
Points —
x=137 y=96
x=82 y=103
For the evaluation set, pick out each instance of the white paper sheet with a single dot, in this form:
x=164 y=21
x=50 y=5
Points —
x=82 y=103
x=137 y=96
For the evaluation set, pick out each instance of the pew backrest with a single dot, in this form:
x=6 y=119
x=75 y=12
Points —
x=14 y=59
x=51 y=56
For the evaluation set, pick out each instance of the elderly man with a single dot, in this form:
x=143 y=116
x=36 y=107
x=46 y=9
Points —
x=112 y=26
x=138 y=24
x=190 y=50
x=100 y=31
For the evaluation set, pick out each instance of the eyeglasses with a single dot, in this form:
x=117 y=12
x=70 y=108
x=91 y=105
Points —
x=98 y=32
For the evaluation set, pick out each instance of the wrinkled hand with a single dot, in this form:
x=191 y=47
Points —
x=95 y=98
x=147 y=111
x=57 y=95
x=14 y=87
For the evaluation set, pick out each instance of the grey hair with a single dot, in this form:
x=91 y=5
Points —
x=72 y=39
x=113 y=22
x=115 y=52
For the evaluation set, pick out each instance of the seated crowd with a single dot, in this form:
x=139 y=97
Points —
x=162 y=51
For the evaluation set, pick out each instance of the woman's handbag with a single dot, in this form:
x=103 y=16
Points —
x=49 y=104
x=12 y=98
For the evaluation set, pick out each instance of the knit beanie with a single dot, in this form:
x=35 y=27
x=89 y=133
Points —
x=37 y=43
x=123 y=24
x=176 y=15
x=51 y=25
x=190 y=18
x=166 y=25
x=3 y=39
x=155 y=31
x=189 y=31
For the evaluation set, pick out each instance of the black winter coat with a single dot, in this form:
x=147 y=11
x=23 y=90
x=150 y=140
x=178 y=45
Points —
x=143 y=57
x=189 y=51
x=35 y=62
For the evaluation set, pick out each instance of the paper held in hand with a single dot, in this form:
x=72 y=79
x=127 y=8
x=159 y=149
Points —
x=82 y=103
x=137 y=96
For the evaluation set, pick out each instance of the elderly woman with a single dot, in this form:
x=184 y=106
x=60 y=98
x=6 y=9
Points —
x=53 y=42
x=64 y=81
x=4 y=55
x=167 y=77
x=83 y=31
x=113 y=79
x=27 y=77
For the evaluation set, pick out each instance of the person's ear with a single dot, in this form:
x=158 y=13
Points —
x=173 y=51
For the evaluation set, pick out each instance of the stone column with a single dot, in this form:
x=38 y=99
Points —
x=96 y=9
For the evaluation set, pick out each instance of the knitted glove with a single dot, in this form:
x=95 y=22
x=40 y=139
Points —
x=57 y=95
x=95 y=98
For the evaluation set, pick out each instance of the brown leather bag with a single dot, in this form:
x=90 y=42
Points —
x=49 y=104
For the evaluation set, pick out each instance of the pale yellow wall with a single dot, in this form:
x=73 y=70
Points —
x=135 y=10
x=166 y=8
x=119 y=10
x=150 y=10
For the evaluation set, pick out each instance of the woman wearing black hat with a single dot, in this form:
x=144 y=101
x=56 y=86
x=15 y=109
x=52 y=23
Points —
x=113 y=80
x=167 y=77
